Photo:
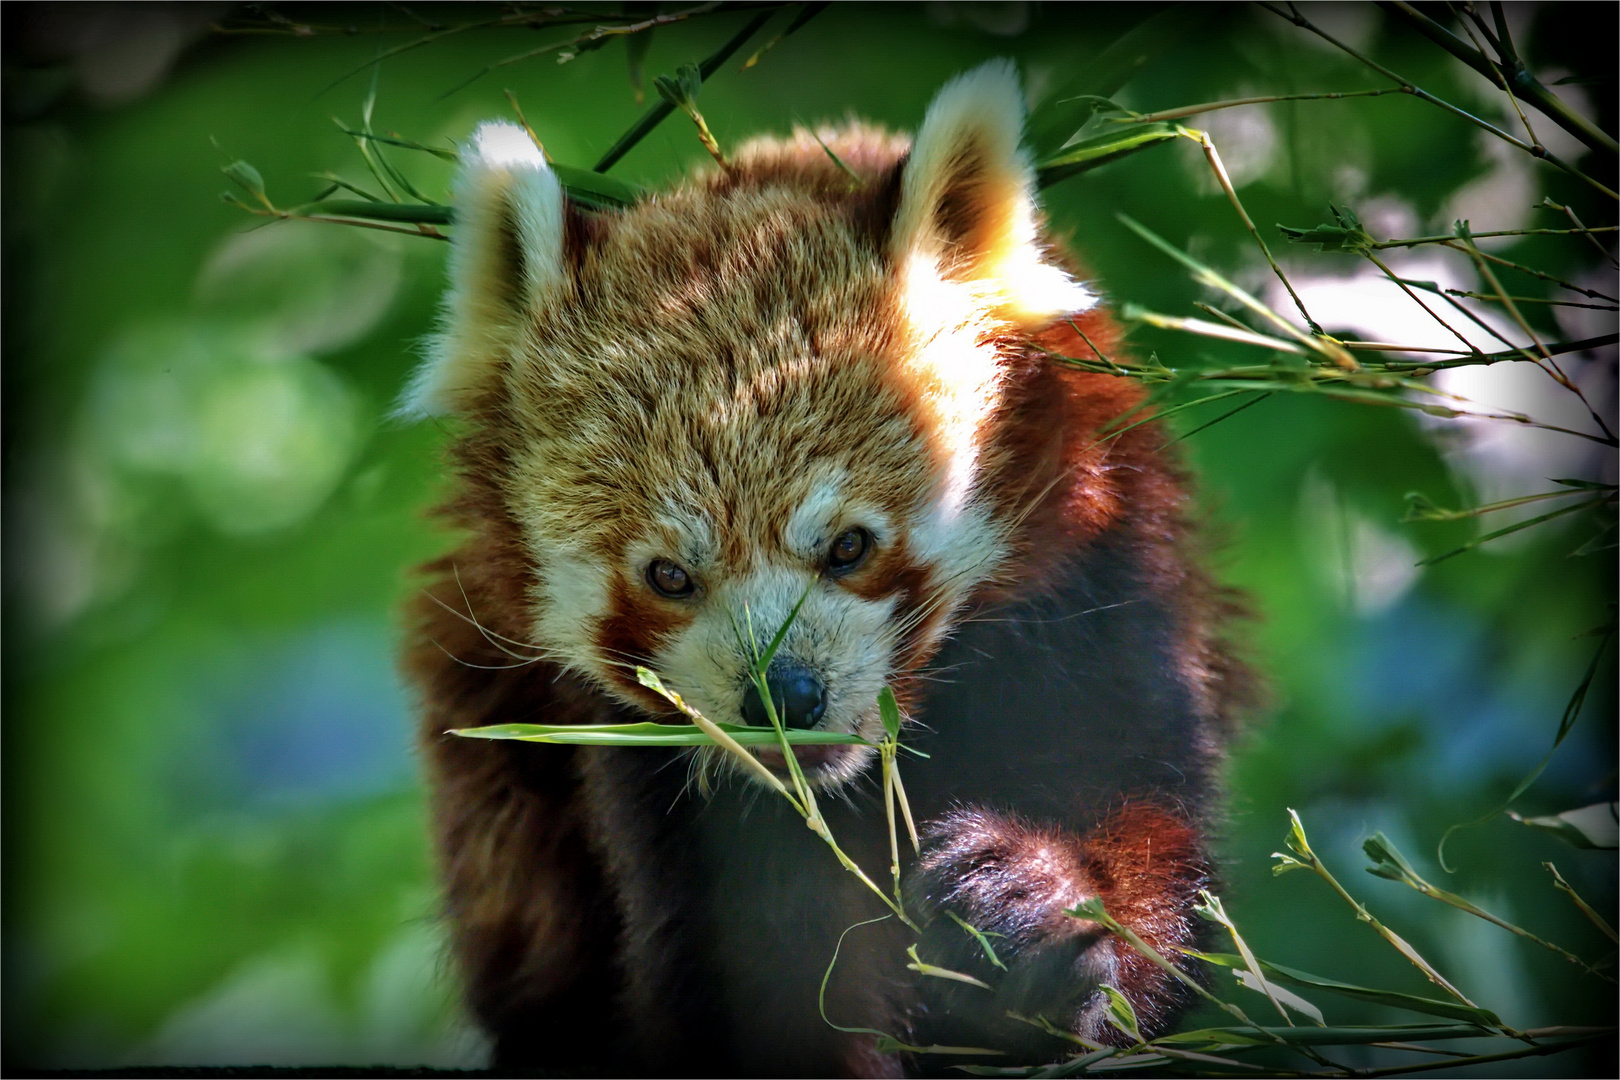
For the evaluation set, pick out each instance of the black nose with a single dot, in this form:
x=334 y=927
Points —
x=797 y=693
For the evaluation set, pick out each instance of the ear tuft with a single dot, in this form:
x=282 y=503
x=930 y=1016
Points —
x=505 y=258
x=967 y=200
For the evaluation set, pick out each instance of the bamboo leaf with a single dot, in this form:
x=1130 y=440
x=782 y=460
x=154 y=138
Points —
x=1595 y=826
x=980 y=936
x=1321 y=1036
x=1346 y=235
x=890 y=711
x=1454 y=1010
x=1121 y=1014
x=933 y=971
x=248 y=178
x=652 y=734
x=1261 y=985
x=1101 y=149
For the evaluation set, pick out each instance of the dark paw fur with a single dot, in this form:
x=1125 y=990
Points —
x=1012 y=881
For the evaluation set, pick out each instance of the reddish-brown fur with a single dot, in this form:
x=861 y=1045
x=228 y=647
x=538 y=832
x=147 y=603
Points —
x=606 y=916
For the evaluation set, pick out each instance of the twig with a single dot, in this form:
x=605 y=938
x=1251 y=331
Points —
x=1580 y=226
x=1376 y=261
x=1414 y=241
x=1551 y=365
x=1531 y=300
x=1412 y=88
x=656 y=115
x=1219 y=168
x=1497 y=259
x=1518 y=77
x=1215 y=106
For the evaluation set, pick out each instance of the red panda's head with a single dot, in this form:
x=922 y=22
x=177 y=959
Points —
x=771 y=383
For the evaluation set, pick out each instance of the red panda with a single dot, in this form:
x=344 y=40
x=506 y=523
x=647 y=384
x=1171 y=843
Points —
x=832 y=369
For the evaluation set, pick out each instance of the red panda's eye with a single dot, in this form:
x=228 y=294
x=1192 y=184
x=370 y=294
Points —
x=669 y=579
x=849 y=550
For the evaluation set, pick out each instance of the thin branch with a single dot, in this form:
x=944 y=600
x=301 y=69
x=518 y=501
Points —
x=1412 y=88
x=1376 y=261
x=1526 y=84
x=1219 y=168
x=1215 y=106
x=1414 y=241
x=1498 y=260
x=1531 y=300
x=656 y=115
x=1551 y=365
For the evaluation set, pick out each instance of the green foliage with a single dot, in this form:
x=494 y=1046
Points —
x=210 y=517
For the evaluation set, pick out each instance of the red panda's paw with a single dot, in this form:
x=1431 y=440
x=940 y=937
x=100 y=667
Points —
x=1004 y=877
x=1012 y=882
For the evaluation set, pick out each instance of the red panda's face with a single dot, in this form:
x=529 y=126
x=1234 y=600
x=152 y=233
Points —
x=700 y=447
x=769 y=386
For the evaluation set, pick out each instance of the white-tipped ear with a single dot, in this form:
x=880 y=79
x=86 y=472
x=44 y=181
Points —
x=505 y=256
x=967 y=200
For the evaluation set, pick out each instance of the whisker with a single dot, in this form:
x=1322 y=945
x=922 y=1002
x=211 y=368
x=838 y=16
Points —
x=488 y=667
x=489 y=635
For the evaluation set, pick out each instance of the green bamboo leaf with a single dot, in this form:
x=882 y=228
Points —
x=1260 y=985
x=1572 y=712
x=934 y=971
x=890 y=711
x=1454 y=1010
x=1100 y=77
x=980 y=936
x=1600 y=541
x=406 y=144
x=1595 y=826
x=1320 y=1036
x=1101 y=149
x=411 y=213
x=245 y=175
x=1527 y=523
x=651 y=734
x=1121 y=1014
x=1346 y=235
x=586 y=186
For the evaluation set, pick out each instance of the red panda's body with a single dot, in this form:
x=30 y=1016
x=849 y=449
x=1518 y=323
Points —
x=774 y=382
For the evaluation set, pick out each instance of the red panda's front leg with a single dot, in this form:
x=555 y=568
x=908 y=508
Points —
x=1012 y=881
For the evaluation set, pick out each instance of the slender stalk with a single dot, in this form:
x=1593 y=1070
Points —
x=1414 y=241
x=1556 y=348
x=1218 y=167
x=1094 y=911
x=1389 y=863
x=658 y=112
x=1550 y=365
x=1537 y=1050
x=1518 y=77
x=588 y=38
x=1531 y=300
x=1580 y=226
x=1412 y=88
x=1586 y=909
x=1304 y=857
x=1376 y=261
x=1216 y=106
x=1498 y=260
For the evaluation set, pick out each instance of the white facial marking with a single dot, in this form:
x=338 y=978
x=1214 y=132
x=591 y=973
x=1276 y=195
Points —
x=573 y=595
x=963 y=544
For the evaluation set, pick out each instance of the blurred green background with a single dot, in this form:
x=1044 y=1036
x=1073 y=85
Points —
x=214 y=843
